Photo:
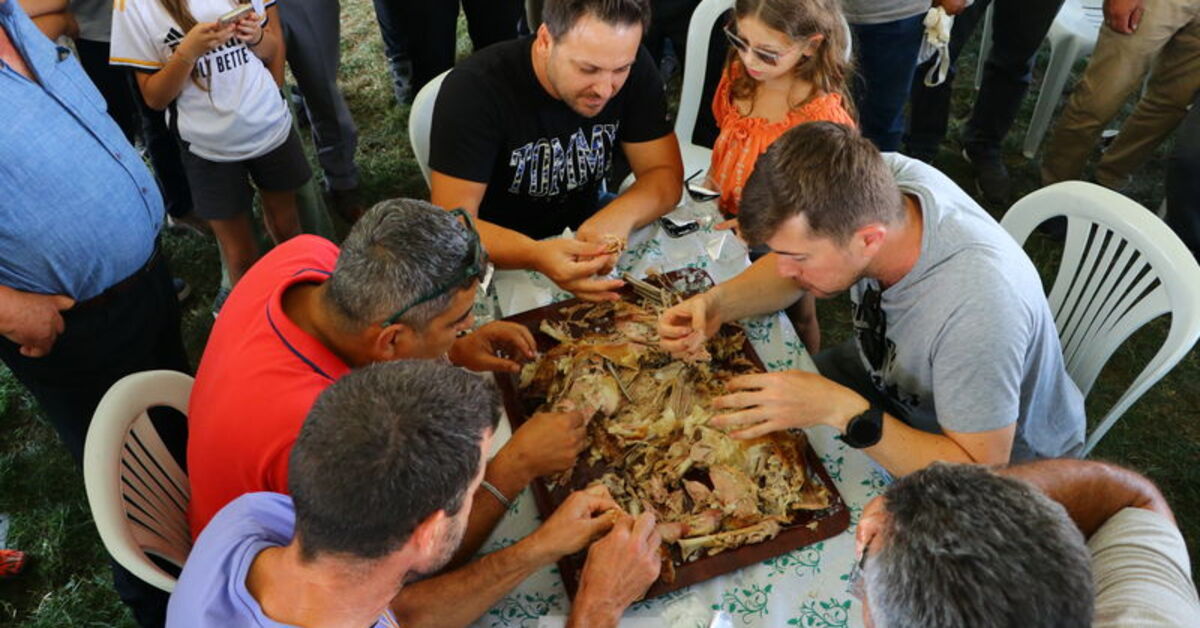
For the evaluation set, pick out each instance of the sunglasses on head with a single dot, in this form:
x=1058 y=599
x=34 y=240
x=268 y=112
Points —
x=766 y=56
x=475 y=267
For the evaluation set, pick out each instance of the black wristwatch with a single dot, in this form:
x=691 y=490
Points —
x=865 y=429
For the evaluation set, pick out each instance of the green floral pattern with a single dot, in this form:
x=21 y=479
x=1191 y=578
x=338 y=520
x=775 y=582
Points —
x=801 y=562
x=524 y=610
x=827 y=614
x=745 y=603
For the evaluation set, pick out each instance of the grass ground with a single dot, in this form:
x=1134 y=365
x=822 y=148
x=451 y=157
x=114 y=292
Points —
x=68 y=580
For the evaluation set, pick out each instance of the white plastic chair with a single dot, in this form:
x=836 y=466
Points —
x=420 y=122
x=1072 y=37
x=1121 y=268
x=137 y=492
x=699 y=37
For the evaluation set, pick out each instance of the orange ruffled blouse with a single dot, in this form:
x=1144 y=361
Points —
x=743 y=139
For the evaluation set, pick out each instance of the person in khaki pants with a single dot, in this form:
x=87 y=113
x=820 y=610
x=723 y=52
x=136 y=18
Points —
x=1159 y=36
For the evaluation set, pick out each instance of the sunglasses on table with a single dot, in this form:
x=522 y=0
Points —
x=475 y=267
x=766 y=56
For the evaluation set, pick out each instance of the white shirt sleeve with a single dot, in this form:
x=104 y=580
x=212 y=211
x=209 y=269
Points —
x=1142 y=571
x=134 y=44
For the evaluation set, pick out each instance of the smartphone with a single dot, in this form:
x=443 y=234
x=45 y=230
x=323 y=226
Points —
x=234 y=15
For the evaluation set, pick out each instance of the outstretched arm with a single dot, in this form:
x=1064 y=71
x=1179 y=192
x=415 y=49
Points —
x=1091 y=491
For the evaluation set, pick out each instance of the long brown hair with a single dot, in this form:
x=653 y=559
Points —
x=827 y=69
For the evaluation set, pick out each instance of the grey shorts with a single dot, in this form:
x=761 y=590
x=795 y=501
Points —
x=221 y=190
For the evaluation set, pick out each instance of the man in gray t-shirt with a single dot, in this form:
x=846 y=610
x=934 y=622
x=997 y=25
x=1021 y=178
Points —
x=956 y=355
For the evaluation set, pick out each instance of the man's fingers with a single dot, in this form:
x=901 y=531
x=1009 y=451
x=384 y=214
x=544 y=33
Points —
x=755 y=431
x=62 y=302
x=747 y=416
x=753 y=381
x=737 y=400
x=724 y=225
x=488 y=362
x=583 y=248
x=645 y=527
x=575 y=419
x=524 y=342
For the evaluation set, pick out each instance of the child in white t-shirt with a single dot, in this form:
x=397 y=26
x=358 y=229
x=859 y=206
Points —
x=220 y=83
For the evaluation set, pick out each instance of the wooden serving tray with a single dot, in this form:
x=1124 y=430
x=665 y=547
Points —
x=807 y=528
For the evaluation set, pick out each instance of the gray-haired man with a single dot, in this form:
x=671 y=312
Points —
x=964 y=545
x=413 y=436
x=402 y=286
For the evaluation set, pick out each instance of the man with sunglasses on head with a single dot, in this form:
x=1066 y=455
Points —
x=956 y=355
x=524 y=134
x=402 y=286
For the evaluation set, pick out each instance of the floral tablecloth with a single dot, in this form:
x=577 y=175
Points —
x=805 y=587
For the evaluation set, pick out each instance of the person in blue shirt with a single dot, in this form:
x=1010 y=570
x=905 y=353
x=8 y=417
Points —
x=382 y=478
x=85 y=296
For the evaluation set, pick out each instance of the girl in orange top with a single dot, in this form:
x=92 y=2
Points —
x=786 y=66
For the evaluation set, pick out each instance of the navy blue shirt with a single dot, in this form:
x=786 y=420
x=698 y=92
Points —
x=79 y=211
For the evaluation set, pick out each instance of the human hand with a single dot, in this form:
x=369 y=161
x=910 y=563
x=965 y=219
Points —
x=619 y=569
x=951 y=7
x=202 y=39
x=728 y=225
x=249 y=29
x=684 y=328
x=32 y=320
x=610 y=229
x=573 y=265
x=496 y=346
x=549 y=442
x=1123 y=16
x=768 y=402
x=582 y=518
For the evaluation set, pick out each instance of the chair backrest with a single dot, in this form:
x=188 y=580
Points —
x=137 y=492
x=1121 y=268
x=420 y=122
x=699 y=38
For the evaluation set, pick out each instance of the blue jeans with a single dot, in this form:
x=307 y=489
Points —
x=887 y=58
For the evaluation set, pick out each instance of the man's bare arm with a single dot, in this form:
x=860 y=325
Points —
x=1092 y=492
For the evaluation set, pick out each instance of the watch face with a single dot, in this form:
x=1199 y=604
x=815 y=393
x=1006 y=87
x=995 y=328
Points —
x=865 y=429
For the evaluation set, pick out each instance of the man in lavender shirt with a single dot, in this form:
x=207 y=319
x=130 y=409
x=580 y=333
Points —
x=381 y=479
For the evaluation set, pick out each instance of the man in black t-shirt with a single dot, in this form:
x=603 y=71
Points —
x=524 y=133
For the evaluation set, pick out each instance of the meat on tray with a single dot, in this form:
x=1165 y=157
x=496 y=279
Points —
x=651 y=441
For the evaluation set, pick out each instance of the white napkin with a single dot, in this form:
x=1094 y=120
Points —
x=937 y=42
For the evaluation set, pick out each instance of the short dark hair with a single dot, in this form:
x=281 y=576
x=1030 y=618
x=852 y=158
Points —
x=382 y=449
x=399 y=250
x=560 y=16
x=829 y=173
x=967 y=547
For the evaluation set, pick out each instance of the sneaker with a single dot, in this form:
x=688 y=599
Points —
x=991 y=177
x=182 y=289
x=12 y=563
x=219 y=300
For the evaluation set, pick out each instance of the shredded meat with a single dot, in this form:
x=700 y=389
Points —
x=649 y=430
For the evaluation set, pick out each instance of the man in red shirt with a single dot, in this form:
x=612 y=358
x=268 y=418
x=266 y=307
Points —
x=401 y=287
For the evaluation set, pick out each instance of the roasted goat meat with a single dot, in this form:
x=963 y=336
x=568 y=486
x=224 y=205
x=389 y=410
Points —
x=650 y=432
